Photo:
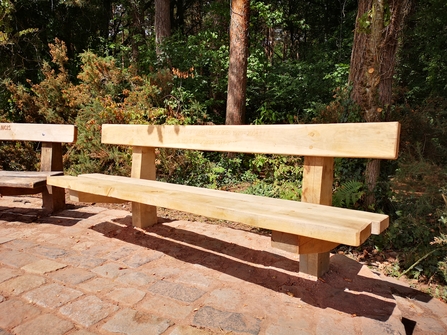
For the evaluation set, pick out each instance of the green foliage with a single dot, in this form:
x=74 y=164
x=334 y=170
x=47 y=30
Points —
x=418 y=220
x=199 y=64
x=290 y=92
x=19 y=156
x=422 y=56
x=348 y=194
x=277 y=176
x=201 y=169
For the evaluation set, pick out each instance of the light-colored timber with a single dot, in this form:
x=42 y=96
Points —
x=25 y=179
x=35 y=132
x=297 y=218
x=324 y=140
x=51 y=137
x=379 y=222
x=311 y=227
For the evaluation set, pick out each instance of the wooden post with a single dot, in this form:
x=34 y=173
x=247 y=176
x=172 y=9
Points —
x=51 y=160
x=317 y=188
x=143 y=167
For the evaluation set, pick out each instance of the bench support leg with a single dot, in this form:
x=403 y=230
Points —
x=51 y=160
x=53 y=201
x=143 y=167
x=317 y=188
x=314 y=265
x=318 y=177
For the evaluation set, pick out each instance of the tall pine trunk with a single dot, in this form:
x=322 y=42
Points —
x=237 y=72
x=373 y=61
x=162 y=22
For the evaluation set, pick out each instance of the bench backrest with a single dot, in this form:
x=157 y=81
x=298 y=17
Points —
x=61 y=133
x=351 y=140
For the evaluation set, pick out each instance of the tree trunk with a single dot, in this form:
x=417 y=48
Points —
x=373 y=61
x=162 y=22
x=136 y=30
x=237 y=72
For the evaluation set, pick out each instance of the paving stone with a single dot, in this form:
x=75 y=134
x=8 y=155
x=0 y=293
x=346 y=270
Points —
x=82 y=332
x=298 y=326
x=374 y=327
x=224 y=298
x=6 y=239
x=170 y=308
x=188 y=330
x=194 y=278
x=90 y=248
x=226 y=321
x=132 y=322
x=6 y=274
x=110 y=270
x=88 y=311
x=128 y=296
x=18 y=285
x=433 y=305
x=16 y=258
x=176 y=291
x=21 y=244
x=15 y=312
x=139 y=259
x=429 y=325
x=43 y=266
x=52 y=295
x=135 y=278
x=122 y=252
x=163 y=268
x=328 y=323
x=47 y=324
x=98 y=285
x=49 y=252
x=82 y=261
x=72 y=276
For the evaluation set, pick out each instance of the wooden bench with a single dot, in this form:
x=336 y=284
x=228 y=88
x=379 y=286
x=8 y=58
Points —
x=311 y=227
x=33 y=182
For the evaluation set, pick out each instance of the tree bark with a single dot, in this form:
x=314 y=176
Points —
x=136 y=29
x=162 y=22
x=373 y=60
x=237 y=72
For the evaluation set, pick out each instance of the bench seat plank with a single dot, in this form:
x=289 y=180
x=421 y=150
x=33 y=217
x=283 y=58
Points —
x=379 y=222
x=26 y=179
x=316 y=221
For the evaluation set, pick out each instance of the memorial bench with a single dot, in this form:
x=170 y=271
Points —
x=51 y=136
x=311 y=227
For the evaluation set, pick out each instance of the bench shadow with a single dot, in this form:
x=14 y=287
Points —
x=67 y=217
x=347 y=287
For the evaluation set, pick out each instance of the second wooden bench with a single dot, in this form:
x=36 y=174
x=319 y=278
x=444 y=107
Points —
x=51 y=137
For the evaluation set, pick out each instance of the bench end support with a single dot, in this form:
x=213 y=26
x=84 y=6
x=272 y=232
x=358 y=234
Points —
x=314 y=265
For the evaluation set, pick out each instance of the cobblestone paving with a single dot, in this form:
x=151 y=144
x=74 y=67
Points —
x=86 y=271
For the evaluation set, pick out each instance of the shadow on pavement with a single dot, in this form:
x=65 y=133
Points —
x=348 y=287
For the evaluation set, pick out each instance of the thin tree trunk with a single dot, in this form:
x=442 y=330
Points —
x=237 y=72
x=162 y=22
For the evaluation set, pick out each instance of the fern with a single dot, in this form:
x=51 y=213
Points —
x=348 y=194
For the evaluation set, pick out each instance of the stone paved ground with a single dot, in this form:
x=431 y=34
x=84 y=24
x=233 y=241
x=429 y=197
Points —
x=86 y=271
